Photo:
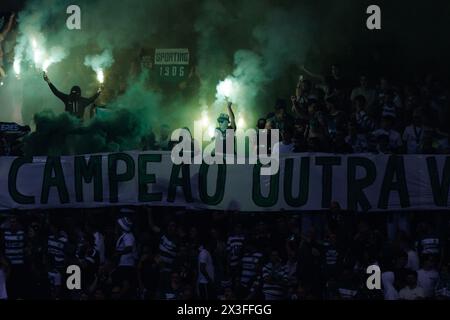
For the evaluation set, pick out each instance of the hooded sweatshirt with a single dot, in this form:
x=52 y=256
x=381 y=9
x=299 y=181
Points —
x=74 y=103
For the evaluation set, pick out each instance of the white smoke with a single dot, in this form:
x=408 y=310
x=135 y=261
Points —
x=99 y=63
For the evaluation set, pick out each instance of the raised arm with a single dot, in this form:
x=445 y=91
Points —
x=8 y=26
x=55 y=91
x=231 y=114
x=313 y=75
x=95 y=96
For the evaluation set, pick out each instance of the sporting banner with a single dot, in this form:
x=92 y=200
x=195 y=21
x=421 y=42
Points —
x=172 y=64
x=304 y=182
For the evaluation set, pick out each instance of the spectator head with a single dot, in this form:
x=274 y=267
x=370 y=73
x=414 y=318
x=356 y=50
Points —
x=175 y=280
x=33 y=230
x=54 y=227
x=172 y=228
x=269 y=124
x=312 y=108
x=363 y=81
x=312 y=98
x=298 y=140
x=275 y=256
x=300 y=125
x=224 y=121
x=360 y=103
x=305 y=85
x=331 y=103
x=280 y=108
x=125 y=224
x=401 y=260
x=89 y=240
x=335 y=207
x=389 y=96
x=75 y=92
x=13 y=223
x=335 y=70
x=429 y=262
x=261 y=124
x=286 y=135
x=411 y=99
x=352 y=128
x=411 y=279
x=215 y=234
x=188 y=293
x=332 y=237
x=193 y=233
x=384 y=83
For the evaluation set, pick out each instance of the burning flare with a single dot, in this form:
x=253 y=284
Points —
x=100 y=75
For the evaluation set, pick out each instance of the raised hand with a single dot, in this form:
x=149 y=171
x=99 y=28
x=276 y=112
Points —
x=46 y=79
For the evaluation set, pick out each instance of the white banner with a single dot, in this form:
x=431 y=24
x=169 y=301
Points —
x=305 y=182
x=172 y=56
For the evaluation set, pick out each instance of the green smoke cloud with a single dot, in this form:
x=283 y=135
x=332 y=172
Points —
x=253 y=42
x=120 y=129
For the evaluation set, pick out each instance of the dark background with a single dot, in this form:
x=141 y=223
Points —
x=413 y=39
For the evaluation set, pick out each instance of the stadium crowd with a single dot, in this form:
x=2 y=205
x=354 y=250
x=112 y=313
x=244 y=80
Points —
x=170 y=253
x=331 y=114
